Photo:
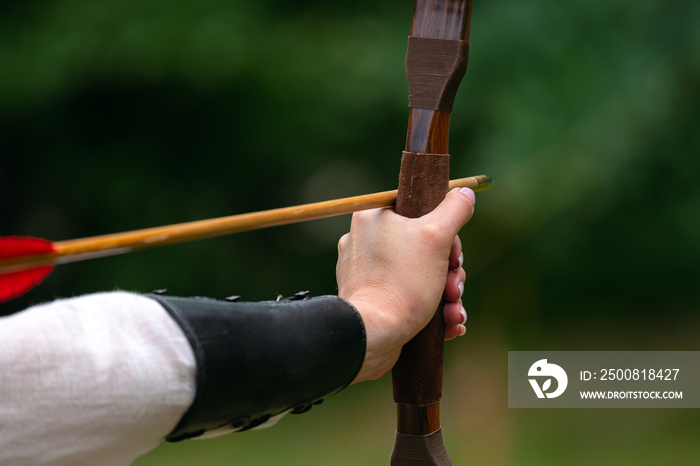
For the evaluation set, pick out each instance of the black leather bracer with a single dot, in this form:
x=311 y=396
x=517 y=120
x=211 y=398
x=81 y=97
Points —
x=257 y=360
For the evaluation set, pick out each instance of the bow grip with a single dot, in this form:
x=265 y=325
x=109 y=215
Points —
x=417 y=376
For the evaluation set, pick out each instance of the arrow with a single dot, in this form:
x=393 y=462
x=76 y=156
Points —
x=26 y=261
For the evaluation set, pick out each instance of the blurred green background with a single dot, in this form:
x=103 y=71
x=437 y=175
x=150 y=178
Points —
x=117 y=115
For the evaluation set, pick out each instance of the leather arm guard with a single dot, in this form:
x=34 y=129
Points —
x=256 y=360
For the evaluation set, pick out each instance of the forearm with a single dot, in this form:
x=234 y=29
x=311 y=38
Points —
x=99 y=379
x=258 y=360
x=104 y=378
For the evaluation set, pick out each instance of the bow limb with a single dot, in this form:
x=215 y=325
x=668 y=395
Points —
x=423 y=183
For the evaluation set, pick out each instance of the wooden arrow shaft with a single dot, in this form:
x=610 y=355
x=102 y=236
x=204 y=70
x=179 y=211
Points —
x=117 y=243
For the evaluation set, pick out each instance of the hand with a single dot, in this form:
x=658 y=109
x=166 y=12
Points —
x=395 y=270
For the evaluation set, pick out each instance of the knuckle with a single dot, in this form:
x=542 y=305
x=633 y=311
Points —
x=433 y=233
x=343 y=242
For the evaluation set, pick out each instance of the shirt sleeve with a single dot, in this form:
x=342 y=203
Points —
x=98 y=379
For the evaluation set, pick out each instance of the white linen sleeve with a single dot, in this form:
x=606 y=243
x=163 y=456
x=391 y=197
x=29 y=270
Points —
x=98 y=379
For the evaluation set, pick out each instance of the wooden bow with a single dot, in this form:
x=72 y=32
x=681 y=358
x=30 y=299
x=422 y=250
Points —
x=434 y=70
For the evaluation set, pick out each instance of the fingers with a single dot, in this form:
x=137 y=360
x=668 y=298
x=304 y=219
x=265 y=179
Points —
x=454 y=332
x=454 y=211
x=455 y=318
x=454 y=286
x=454 y=314
x=456 y=256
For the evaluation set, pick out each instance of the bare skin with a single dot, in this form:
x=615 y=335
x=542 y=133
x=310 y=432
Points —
x=395 y=270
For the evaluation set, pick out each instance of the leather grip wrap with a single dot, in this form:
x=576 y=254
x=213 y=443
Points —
x=435 y=68
x=256 y=360
x=417 y=376
x=423 y=183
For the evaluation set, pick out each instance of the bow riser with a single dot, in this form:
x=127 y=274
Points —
x=423 y=183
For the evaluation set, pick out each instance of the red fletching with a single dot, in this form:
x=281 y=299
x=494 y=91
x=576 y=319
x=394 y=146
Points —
x=13 y=284
x=16 y=246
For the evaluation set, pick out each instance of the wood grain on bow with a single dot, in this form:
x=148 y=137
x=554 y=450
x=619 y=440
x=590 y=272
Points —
x=417 y=376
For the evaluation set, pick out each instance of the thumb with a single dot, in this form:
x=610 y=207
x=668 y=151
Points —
x=454 y=211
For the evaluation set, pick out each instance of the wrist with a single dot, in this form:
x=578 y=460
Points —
x=385 y=338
